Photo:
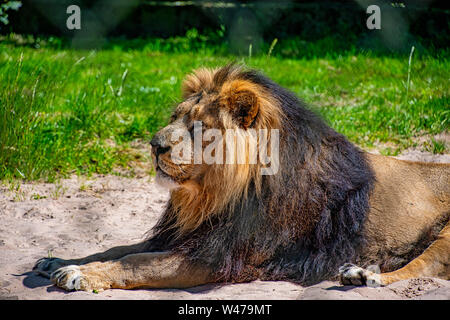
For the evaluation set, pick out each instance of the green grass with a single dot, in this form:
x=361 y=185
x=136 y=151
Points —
x=435 y=146
x=66 y=111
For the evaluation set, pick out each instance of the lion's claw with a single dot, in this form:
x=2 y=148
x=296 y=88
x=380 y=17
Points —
x=69 y=278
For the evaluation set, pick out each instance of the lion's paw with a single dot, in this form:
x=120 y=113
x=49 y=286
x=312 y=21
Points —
x=349 y=274
x=46 y=266
x=70 y=278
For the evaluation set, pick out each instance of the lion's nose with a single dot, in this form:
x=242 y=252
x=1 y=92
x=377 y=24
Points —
x=157 y=146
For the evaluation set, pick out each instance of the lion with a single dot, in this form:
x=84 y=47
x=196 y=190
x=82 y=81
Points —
x=331 y=211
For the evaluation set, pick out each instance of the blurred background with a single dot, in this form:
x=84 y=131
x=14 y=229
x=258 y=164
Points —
x=87 y=101
x=237 y=24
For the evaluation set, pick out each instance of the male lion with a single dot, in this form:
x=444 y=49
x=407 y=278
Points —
x=328 y=205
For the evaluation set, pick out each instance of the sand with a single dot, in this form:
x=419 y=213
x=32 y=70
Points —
x=78 y=216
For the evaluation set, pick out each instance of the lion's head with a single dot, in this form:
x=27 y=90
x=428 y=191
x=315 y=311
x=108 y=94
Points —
x=227 y=108
x=300 y=222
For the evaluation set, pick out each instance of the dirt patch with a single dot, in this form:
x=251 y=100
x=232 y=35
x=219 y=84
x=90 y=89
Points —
x=423 y=156
x=416 y=287
x=428 y=148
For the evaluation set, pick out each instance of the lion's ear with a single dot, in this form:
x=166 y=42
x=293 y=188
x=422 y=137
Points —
x=241 y=100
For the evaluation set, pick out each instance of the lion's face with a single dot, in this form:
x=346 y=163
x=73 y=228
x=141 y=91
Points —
x=201 y=107
x=213 y=103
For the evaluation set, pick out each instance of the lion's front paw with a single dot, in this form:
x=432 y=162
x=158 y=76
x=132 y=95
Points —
x=46 y=266
x=70 y=278
x=349 y=274
x=83 y=278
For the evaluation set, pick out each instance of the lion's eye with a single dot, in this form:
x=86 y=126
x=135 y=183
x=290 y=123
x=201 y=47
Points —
x=196 y=129
x=199 y=97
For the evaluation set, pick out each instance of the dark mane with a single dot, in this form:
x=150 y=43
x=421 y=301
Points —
x=309 y=217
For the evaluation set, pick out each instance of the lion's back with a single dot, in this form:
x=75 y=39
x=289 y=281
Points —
x=409 y=205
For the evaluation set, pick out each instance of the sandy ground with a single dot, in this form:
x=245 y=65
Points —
x=78 y=216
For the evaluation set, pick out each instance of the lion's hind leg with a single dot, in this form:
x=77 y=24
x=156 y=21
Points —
x=433 y=262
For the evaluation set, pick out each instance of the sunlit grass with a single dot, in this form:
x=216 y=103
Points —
x=76 y=111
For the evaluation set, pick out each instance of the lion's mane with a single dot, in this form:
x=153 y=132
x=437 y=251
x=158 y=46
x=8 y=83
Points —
x=300 y=224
